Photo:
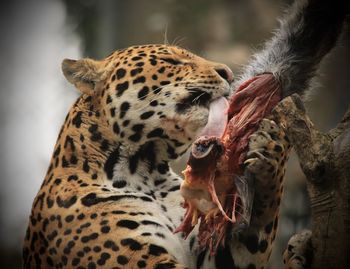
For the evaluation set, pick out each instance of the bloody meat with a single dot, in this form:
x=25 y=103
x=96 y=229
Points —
x=214 y=169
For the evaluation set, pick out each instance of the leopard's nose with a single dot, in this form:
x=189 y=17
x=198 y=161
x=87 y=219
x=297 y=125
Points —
x=225 y=73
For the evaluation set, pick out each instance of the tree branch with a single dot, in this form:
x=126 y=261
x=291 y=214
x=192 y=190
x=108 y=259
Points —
x=325 y=160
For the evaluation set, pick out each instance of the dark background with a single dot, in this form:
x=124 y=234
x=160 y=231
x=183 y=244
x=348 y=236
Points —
x=34 y=98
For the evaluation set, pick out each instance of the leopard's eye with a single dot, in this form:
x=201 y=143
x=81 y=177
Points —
x=171 y=61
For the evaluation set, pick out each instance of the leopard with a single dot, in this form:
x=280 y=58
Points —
x=110 y=198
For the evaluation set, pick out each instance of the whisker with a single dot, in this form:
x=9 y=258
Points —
x=166 y=41
x=177 y=41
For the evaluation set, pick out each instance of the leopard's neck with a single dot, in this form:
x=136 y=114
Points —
x=88 y=148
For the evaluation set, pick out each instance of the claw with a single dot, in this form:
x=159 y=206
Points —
x=258 y=154
x=249 y=161
x=194 y=220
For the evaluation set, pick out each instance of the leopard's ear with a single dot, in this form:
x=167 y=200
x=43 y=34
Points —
x=84 y=73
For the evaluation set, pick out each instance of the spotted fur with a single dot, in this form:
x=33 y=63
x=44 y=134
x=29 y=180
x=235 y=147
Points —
x=110 y=199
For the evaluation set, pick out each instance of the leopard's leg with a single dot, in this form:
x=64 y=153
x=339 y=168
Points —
x=298 y=254
x=266 y=158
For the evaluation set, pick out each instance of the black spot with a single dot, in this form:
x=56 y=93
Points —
x=105 y=229
x=112 y=111
x=141 y=264
x=165 y=82
x=277 y=148
x=104 y=145
x=73 y=159
x=110 y=244
x=87 y=238
x=130 y=224
x=72 y=178
x=49 y=261
x=224 y=258
x=123 y=109
x=64 y=162
x=251 y=241
x=49 y=202
x=116 y=128
x=103 y=258
x=153 y=103
x=182 y=107
x=119 y=184
x=121 y=87
x=160 y=235
x=69 y=218
x=140 y=79
x=109 y=99
x=133 y=244
x=66 y=203
x=167 y=265
x=133 y=162
x=120 y=73
x=175 y=188
x=50 y=237
x=146 y=115
x=136 y=58
x=93 y=128
x=121 y=259
x=91 y=265
x=77 y=119
x=135 y=137
x=142 y=94
x=171 y=152
x=268 y=227
x=156 y=250
x=146 y=199
x=157 y=182
x=156 y=89
x=86 y=166
x=163 y=168
x=87 y=249
x=171 y=61
x=111 y=161
x=69 y=246
x=138 y=127
x=161 y=70
x=149 y=222
x=135 y=71
x=158 y=132
x=57 y=151
x=75 y=261
x=263 y=246
x=96 y=136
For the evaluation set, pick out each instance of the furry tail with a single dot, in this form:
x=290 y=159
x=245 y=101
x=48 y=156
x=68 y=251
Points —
x=308 y=32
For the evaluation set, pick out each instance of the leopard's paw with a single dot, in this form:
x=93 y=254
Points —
x=298 y=254
x=267 y=150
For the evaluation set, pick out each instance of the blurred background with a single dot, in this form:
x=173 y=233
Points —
x=34 y=98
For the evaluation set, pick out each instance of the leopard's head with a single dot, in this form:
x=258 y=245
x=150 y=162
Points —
x=153 y=93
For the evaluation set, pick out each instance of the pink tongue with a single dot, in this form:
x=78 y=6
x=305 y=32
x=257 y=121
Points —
x=217 y=119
